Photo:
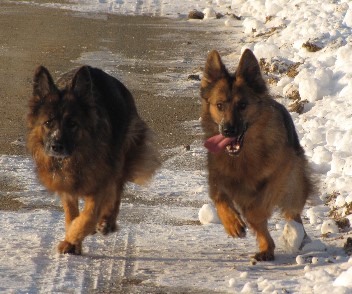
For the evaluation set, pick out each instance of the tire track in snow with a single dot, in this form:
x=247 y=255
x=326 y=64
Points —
x=130 y=256
x=111 y=261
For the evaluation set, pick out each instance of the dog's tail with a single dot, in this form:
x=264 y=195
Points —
x=144 y=157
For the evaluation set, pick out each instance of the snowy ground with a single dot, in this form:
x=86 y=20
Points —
x=307 y=46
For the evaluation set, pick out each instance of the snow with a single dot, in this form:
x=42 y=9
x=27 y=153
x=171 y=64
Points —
x=329 y=226
x=201 y=257
x=300 y=259
x=207 y=214
x=209 y=13
x=344 y=279
x=293 y=236
x=315 y=245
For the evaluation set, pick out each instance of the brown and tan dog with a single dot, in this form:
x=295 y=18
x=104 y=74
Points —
x=255 y=160
x=87 y=141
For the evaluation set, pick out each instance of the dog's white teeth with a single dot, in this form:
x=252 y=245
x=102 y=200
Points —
x=233 y=148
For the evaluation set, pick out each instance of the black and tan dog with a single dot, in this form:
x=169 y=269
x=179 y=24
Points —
x=255 y=160
x=87 y=141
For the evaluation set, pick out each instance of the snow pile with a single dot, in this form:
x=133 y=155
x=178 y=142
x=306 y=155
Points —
x=293 y=236
x=300 y=259
x=314 y=246
x=345 y=278
x=207 y=215
x=209 y=13
x=329 y=226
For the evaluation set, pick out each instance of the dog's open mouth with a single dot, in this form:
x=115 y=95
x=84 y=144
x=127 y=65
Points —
x=232 y=145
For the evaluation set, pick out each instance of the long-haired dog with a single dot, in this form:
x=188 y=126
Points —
x=87 y=141
x=255 y=160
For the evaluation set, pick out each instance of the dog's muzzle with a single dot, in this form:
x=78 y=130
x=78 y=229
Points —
x=237 y=138
x=56 y=148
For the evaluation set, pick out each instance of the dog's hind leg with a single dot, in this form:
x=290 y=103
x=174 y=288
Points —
x=292 y=209
x=110 y=209
x=293 y=216
x=259 y=223
x=297 y=218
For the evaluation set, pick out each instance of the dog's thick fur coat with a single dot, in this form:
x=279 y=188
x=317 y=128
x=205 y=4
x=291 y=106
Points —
x=255 y=160
x=87 y=141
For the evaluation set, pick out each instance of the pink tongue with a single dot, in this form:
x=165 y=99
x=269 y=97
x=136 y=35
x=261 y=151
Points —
x=217 y=143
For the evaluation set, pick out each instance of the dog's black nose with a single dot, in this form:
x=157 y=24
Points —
x=229 y=130
x=57 y=147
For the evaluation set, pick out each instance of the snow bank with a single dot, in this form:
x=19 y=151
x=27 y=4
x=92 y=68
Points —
x=345 y=278
x=317 y=36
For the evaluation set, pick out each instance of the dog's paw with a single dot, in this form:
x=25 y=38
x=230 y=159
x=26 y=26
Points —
x=264 y=256
x=231 y=220
x=234 y=226
x=104 y=227
x=236 y=229
x=68 y=248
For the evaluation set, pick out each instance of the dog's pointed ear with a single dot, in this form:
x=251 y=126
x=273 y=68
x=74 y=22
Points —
x=82 y=84
x=249 y=70
x=43 y=84
x=214 y=69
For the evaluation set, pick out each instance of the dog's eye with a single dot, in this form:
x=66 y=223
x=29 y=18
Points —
x=71 y=124
x=220 y=106
x=48 y=124
x=242 y=105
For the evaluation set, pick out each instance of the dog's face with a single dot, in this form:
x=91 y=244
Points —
x=58 y=119
x=231 y=101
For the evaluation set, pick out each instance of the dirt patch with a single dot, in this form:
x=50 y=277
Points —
x=292 y=70
x=9 y=203
x=311 y=47
x=348 y=246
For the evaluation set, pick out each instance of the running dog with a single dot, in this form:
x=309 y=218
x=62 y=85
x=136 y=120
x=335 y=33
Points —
x=87 y=140
x=255 y=160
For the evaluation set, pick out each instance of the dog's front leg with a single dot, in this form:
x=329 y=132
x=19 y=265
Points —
x=80 y=227
x=70 y=205
x=230 y=219
x=71 y=209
